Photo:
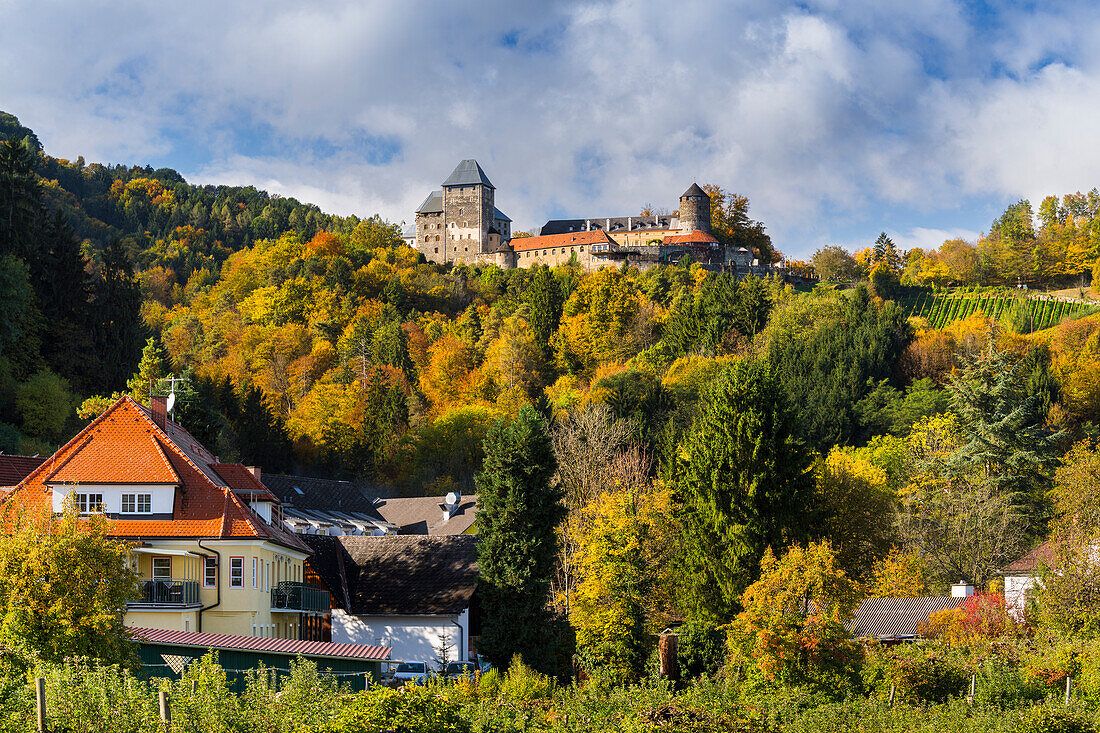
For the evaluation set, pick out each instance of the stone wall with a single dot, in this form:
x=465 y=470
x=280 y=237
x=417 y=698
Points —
x=431 y=237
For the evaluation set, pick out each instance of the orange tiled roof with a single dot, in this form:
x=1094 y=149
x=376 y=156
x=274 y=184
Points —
x=124 y=445
x=693 y=237
x=568 y=239
x=241 y=479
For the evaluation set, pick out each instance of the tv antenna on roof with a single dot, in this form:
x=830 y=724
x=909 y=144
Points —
x=171 y=383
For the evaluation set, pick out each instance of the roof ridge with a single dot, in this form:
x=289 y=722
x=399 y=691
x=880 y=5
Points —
x=87 y=428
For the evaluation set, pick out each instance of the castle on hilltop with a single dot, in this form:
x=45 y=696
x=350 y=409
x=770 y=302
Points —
x=461 y=223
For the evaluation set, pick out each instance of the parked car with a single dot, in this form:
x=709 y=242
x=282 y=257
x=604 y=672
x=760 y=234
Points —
x=415 y=672
x=483 y=665
x=461 y=671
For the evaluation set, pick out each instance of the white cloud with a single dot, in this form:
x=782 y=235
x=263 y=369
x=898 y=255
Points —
x=827 y=115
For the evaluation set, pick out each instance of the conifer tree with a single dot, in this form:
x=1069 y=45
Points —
x=146 y=380
x=118 y=309
x=1004 y=441
x=744 y=484
x=519 y=511
x=545 y=302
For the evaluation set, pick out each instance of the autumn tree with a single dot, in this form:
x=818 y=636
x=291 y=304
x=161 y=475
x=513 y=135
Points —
x=791 y=629
x=857 y=509
x=621 y=564
x=151 y=370
x=519 y=512
x=834 y=263
x=731 y=225
x=64 y=586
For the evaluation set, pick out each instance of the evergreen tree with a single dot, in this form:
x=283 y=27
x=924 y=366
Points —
x=545 y=303
x=1004 y=442
x=261 y=436
x=520 y=509
x=63 y=289
x=20 y=200
x=743 y=483
x=118 y=309
x=826 y=372
x=146 y=380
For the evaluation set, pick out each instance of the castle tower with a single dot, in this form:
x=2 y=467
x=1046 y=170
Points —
x=468 y=211
x=695 y=209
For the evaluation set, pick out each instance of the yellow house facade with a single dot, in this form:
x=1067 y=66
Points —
x=207 y=539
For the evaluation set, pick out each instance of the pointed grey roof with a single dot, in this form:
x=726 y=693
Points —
x=498 y=214
x=432 y=205
x=468 y=173
x=694 y=191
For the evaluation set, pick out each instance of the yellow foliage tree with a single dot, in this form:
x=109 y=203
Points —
x=621 y=567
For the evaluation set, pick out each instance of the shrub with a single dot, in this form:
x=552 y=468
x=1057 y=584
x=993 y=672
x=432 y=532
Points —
x=928 y=675
x=700 y=649
x=1004 y=684
x=1052 y=719
x=410 y=709
x=522 y=683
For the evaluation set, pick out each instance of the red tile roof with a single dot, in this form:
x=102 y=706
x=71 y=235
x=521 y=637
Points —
x=568 y=239
x=14 y=469
x=291 y=647
x=124 y=445
x=695 y=236
x=1029 y=563
x=241 y=479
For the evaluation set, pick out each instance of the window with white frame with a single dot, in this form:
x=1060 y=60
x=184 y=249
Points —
x=210 y=572
x=162 y=568
x=137 y=503
x=255 y=570
x=236 y=572
x=89 y=503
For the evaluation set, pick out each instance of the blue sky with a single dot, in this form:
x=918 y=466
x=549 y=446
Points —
x=838 y=118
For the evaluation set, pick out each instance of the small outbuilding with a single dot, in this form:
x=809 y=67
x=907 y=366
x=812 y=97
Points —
x=412 y=593
x=166 y=653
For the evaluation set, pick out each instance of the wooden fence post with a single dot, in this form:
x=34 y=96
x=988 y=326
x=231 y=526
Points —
x=1069 y=687
x=40 y=702
x=893 y=688
x=666 y=653
x=165 y=709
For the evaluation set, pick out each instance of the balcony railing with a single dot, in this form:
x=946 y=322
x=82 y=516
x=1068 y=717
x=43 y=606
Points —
x=290 y=596
x=168 y=592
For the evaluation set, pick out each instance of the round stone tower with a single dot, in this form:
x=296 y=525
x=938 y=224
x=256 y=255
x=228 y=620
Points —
x=695 y=209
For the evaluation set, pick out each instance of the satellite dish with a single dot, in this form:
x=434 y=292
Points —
x=171 y=401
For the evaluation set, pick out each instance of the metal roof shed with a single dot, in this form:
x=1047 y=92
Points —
x=166 y=653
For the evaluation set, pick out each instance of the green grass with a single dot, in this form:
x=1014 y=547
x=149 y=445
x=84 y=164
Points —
x=943 y=309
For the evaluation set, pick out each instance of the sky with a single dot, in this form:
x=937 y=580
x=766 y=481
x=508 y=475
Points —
x=837 y=118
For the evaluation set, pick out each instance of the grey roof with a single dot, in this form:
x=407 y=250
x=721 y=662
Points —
x=897 y=618
x=498 y=214
x=467 y=173
x=304 y=492
x=694 y=191
x=432 y=205
x=610 y=224
x=397 y=575
x=409 y=232
x=424 y=514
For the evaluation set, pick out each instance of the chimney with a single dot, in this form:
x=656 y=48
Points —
x=962 y=589
x=158 y=405
x=587 y=225
x=255 y=470
x=607 y=228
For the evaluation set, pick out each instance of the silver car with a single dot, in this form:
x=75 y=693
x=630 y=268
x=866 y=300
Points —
x=415 y=672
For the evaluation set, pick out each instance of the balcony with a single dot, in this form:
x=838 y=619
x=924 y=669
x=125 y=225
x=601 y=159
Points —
x=167 y=592
x=290 y=596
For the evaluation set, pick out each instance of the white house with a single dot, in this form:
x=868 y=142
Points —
x=412 y=593
x=1022 y=575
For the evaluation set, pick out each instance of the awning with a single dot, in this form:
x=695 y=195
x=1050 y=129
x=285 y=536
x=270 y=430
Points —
x=158 y=551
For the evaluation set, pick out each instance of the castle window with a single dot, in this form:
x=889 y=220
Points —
x=460 y=212
x=437 y=250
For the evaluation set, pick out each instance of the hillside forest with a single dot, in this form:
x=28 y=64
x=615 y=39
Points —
x=700 y=424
